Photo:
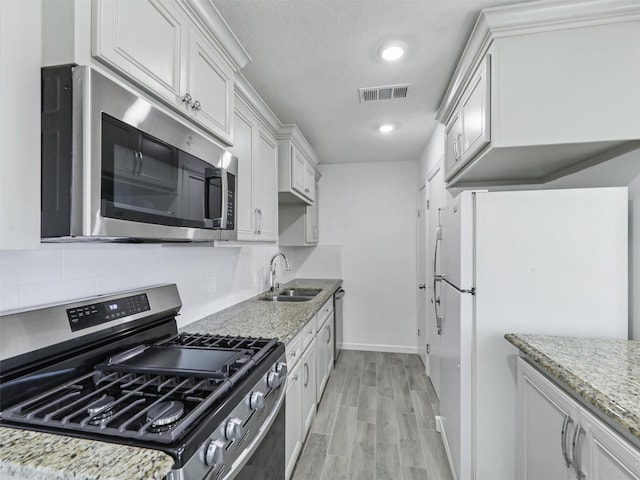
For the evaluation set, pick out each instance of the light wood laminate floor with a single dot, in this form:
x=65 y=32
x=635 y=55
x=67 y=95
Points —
x=376 y=420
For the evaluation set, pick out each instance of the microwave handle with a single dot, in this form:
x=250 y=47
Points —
x=209 y=173
x=212 y=173
x=225 y=199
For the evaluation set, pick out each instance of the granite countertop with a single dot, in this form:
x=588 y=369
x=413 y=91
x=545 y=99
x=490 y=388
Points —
x=603 y=373
x=41 y=456
x=32 y=455
x=258 y=318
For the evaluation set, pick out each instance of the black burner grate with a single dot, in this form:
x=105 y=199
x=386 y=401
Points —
x=119 y=402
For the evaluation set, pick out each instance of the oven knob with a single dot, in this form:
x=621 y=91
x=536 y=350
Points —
x=273 y=380
x=234 y=429
x=215 y=453
x=256 y=401
x=281 y=368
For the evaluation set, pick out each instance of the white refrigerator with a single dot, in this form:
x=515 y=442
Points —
x=539 y=262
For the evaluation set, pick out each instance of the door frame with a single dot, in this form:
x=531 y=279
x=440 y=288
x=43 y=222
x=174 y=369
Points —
x=422 y=251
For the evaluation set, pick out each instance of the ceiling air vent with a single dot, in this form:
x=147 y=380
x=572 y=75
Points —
x=388 y=92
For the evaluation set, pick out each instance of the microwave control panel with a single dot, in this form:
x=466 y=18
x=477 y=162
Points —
x=86 y=316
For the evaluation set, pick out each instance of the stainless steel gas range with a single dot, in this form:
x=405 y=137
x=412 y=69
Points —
x=115 y=369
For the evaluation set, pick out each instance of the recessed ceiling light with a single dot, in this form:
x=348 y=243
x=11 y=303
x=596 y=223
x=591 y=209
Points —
x=393 y=53
x=386 y=128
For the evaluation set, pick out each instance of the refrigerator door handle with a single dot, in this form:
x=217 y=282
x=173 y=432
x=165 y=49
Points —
x=436 y=278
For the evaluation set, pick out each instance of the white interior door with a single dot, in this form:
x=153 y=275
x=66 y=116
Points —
x=422 y=275
x=435 y=199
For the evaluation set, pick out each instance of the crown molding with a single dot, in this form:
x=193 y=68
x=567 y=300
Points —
x=246 y=94
x=218 y=31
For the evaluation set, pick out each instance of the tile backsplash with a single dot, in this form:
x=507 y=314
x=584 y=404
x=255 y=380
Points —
x=209 y=278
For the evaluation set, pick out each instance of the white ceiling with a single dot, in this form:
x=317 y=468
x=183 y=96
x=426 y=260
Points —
x=311 y=56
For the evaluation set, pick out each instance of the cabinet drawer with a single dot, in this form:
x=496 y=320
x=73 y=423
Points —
x=325 y=311
x=309 y=332
x=294 y=351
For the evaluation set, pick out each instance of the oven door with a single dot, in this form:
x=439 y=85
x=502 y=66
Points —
x=267 y=461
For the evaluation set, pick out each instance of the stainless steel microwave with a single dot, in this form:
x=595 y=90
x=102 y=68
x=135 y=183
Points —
x=116 y=166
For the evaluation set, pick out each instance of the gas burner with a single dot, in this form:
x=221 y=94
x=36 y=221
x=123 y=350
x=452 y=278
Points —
x=165 y=413
x=101 y=408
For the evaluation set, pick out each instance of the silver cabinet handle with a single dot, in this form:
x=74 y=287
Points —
x=306 y=374
x=306 y=190
x=455 y=148
x=260 y=221
x=255 y=230
x=187 y=99
x=328 y=335
x=197 y=106
x=563 y=440
x=576 y=453
x=458 y=141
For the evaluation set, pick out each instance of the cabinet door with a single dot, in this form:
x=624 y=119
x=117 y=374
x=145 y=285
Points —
x=309 y=182
x=321 y=354
x=243 y=135
x=308 y=387
x=475 y=113
x=325 y=355
x=607 y=456
x=145 y=40
x=547 y=421
x=311 y=223
x=298 y=164
x=210 y=85
x=293 y=405
x=452 y=153
x=265 y=185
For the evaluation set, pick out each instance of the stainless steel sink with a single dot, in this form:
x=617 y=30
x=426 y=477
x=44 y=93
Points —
x=300 y=292
x=285 y=298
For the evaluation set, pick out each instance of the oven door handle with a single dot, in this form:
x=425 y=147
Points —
x=262 y=432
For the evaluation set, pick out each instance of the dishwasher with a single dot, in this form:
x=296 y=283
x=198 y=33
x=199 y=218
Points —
x=338 y=299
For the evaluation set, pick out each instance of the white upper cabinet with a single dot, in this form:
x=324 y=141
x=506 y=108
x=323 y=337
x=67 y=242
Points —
x=468 y=130
x=210 y=86
x=156 y=45
x=296 y=168
x=543 y=90
x=151 y=51
x=256 y=147
x=179 y=51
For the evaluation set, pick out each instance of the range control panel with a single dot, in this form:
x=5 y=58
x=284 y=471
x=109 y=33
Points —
x=86 y=316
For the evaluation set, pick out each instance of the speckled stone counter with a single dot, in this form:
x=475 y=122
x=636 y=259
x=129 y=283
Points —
x=41 y=456
x=604 y=374
x=259 y=318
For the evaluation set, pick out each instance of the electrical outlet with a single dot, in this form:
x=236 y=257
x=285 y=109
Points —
x=211 y=285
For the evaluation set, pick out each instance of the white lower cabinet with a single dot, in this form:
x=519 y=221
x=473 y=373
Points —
x=310 y=362
x=324 y=339
x=308 y=387
x=559 y=439
x=293 y=434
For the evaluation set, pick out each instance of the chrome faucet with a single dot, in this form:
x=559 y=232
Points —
x=273 y=286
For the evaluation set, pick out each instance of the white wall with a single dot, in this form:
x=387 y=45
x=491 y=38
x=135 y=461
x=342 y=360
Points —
x=634 y=257
x=432 y=153
x=208 y=278
x=369 y=209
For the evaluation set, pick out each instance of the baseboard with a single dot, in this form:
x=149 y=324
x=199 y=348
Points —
x=447 y=449
x=379 y=348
